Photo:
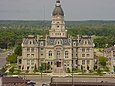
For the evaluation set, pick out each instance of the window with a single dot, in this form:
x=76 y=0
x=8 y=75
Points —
x=88 y=61
x=42 y=48
x=32 y=55
x=30 y=42
x=58 y=26
x=66 y=54
x=58 y=42
x=76 y=55
x=74 y=43
x=83 y=62
x=32 y=62
x=85 y=42
x=51 y=63
x=32 y=49
x=83 y=55
x=28 y=49
x=41 y=54
x=41 y=43
x=32 y=67
x=58 y=54
x=87 y=50
x=50 y=53
x=68 y=64
x=28 y=55
x=88 y=55
x=83 y=49
x=28 y=62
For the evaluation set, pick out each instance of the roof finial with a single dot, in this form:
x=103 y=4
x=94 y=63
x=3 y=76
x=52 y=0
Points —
x=58 y=3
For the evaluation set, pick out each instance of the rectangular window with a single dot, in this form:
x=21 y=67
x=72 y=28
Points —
x=32 y=49
x=87 y=50
x=88 y=61
x=58 y=54
x=83 y=55
x=32 y=62
x=51 y=63
x=28 y=55
x=32 y=68
x=88 y=55
x=28 y=62
x=32 y=55
x=41 y=54
x=66 y=54
x=83 y=62
x=83 y=49
x=28 y=49
x=42 y=48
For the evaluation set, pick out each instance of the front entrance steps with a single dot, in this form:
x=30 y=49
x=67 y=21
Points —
x=59 y=71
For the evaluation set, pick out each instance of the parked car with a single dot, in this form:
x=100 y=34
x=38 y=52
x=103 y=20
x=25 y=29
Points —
x=44 y=84
x=31 y=83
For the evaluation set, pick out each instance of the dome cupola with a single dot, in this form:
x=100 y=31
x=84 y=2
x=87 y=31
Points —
x=58 y=10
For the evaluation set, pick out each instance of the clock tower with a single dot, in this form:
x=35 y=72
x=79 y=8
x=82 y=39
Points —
x=58 y=25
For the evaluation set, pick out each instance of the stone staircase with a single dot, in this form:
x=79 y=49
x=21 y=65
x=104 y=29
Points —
x=58 y=71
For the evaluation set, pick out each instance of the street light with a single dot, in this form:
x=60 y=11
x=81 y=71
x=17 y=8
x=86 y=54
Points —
x=73 y=66
x=72 y=74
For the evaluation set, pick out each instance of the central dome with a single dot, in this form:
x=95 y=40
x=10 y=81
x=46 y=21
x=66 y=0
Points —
x=58 y=10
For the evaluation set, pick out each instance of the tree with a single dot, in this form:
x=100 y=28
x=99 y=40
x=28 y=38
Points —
x=35 y=69
x=41 y=69
x=18 y=50
x=3 y=70
x=12 y=58
x=102 y=61
x=11 y=70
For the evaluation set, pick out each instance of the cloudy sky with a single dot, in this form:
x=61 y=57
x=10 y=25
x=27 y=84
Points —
x=42 y=9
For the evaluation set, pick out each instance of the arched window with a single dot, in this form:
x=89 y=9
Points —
x=50 y=53
x=30 y=42
x=66 y=54
x=85 y=42
x=58 y=54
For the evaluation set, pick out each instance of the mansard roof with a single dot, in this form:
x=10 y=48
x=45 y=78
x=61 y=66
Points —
x=87 y=39
x=110 y=49
x=31 y=39
x=63 y=41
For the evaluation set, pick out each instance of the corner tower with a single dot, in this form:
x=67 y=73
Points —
x=58 y=25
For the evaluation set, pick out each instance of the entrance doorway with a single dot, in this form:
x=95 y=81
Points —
x=58 y=64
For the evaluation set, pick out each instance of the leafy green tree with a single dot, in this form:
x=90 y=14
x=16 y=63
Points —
x=102 y=61
x=11 y=70
x=3 y=70
x=18 y=50
x=99 y=71
x=41 y=69
x=12 y=58
x=35 y=69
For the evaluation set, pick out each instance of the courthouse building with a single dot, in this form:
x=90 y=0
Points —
x=58 y=49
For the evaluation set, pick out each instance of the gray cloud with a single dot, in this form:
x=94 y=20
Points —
x=74 y=9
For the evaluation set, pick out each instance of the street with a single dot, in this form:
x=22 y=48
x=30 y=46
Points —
x=2 y=59
x=47 y=79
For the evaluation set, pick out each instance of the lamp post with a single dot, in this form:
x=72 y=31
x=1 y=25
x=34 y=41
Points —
x=72 y=73
x=73 y=66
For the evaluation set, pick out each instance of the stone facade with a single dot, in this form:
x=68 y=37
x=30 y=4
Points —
x=58 y=49
x=109 y=53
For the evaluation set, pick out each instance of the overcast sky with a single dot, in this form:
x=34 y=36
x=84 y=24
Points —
x=42 y=9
